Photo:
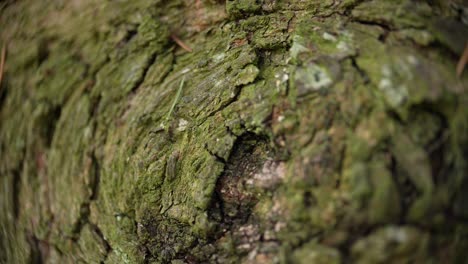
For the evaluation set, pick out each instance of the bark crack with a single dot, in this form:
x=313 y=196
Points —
x=83 y=217
x=107 y=246
x=146 y=68
x=237 y=92
x=362 y=72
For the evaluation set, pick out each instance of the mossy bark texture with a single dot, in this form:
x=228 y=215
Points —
x=300 y=131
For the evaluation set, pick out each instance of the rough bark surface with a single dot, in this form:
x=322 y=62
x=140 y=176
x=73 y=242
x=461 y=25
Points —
x=302 y=131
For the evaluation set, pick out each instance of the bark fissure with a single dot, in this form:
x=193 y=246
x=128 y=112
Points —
x=17 y=191
x=107 y=246
x=85 y=210
x=146 y=67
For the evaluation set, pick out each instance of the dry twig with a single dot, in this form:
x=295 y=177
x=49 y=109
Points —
x=463 y=61
x=180 y=43
x=2 y=62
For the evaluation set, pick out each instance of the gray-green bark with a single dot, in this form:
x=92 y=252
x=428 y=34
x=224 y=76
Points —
x=305 y=132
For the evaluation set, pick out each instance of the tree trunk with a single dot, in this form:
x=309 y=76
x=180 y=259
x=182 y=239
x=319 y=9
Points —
x=271 y=131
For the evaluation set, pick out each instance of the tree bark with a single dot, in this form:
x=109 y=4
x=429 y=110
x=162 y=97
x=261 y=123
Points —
x=233 y=132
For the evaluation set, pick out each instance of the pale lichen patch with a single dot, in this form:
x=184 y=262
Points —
x=182 y=126
x=312 y=78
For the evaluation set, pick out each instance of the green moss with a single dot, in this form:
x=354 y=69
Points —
x=316 y=253
x=392 y=244
x=92 y=247
x=242 y=7
x=415 y=163
x=394 y=13
x=300 y=134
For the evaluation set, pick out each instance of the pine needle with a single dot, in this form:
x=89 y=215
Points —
x=164 y=126
x=176 y=99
